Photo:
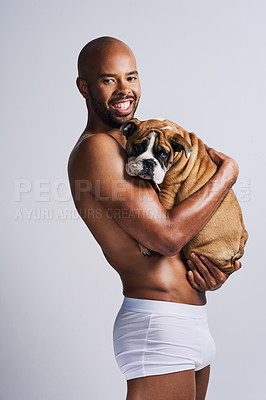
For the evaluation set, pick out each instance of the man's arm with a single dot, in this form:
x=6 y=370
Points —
x=101 y=162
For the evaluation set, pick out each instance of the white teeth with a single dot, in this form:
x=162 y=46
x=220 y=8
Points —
x=123 y=105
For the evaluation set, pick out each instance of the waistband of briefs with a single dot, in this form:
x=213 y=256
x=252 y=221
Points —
x=164 y=308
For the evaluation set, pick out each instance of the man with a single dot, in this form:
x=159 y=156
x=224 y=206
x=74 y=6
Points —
x=161 y=338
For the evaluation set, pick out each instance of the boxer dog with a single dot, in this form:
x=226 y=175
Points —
x=169 y=156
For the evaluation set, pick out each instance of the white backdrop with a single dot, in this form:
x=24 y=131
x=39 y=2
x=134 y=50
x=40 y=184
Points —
x=202 y=64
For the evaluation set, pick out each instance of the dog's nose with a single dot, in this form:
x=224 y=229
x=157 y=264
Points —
x=149 y=163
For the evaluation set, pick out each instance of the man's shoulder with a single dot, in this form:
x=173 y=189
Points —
x=92 y=148
x=93 y=143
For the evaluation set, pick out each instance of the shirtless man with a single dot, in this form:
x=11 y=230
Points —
x=163 y=318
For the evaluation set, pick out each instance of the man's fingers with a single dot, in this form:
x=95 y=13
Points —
x=218 y=275
x=237 y=265
x=195 y=278
x=209 y=278
x=192 y=281
x=204 y=274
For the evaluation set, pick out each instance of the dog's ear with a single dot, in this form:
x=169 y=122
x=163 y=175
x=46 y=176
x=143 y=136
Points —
x=179 y=143
x=129 y=127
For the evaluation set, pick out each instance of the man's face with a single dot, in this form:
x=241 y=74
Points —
x=114 y=87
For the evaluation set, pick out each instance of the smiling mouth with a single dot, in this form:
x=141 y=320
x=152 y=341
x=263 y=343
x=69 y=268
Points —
x=123 y=107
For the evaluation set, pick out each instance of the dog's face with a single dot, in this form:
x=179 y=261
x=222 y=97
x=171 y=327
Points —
x=151 y=147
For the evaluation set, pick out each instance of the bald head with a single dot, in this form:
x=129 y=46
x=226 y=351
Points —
x=96 y=49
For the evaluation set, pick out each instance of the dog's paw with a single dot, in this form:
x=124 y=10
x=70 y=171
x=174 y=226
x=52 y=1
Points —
x=144 y=250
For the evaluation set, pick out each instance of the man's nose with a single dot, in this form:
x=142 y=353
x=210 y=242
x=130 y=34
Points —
x=123 y=88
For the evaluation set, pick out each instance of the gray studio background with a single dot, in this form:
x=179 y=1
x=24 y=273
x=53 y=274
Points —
x=201 y=64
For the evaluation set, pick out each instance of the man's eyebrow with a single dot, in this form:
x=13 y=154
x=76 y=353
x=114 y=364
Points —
x=133 y=73
x=107 y=75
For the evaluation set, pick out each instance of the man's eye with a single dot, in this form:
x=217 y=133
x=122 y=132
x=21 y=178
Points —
x=110 y=80
x=132 y=78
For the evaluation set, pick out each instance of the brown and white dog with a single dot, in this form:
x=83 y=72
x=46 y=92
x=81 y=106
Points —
x=162 y=151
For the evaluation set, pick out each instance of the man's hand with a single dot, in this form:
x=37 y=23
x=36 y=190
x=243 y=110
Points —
x=222 y=160
x=204 y=275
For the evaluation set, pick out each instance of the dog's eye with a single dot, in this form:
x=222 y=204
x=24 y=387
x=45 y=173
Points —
x=139 y=147
x=163 y=154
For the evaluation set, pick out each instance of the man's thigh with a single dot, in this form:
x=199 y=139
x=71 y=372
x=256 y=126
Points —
x=174 y=386
x=202 y=380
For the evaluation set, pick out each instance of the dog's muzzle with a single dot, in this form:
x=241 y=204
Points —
x=146 y=168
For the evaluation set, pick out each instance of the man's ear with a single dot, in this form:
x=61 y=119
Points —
x=129 y=127
x=179 y=143
x=82 y=87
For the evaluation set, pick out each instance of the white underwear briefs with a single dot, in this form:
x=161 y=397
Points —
x=154 y=337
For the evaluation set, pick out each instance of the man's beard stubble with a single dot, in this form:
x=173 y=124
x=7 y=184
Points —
x=107 y=116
